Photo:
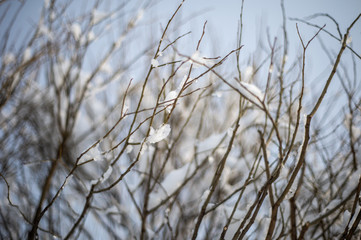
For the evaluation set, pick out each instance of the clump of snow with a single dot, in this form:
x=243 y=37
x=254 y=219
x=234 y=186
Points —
x=155 y=63
x=44 y=30
x=283 y=176
x=204 y=196
x=90 y=36
x=217 y=94
x=93 y=154
x=172 y=95
x=60 y=70
x=181 y=84
x=97 y=16
x=27 y=54
x=230 y=131
x=169 y=99
x=210 y=159
x=160 y=53
x=129 y=149
x=93 y=182
x=76 y=30
x=106 y=68
x=346 y=219
x=248 y=73
x=226 y=176
x=251 y=92
x=348 y=40
x=159 y=134
x=144 y=148
x=107 y=174
x=198 y=60
x=9 y=58
x=197 y=57
x=291 y=192
x=356 y=131
x=52 y=15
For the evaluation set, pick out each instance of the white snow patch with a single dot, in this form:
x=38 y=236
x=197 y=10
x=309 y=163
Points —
x=93 y=154
x=169 y=99
x=52 y=15
x=159 y=134
x=9 y=58
x=230 y=131
x=91 y=36
x=248 y=73
x=290 y=193
x=154 y=63
x=97 y=16
x=332 y=205
x=93 y=182
x=75 y=30
x=217 y=94
x=170 y=184
x=106 y=68
x=210 y=142
x=107 y=174
x=143 y=149
x=129 y=149
x=160 y=53
x=198 y=60
x=204 y=196
x=251 y=92
x=43 y=30
x=210 y=159
x=171 y=96
x=348 y=40
x=27 y=54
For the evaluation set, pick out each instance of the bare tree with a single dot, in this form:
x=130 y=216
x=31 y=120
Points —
x=108 y=133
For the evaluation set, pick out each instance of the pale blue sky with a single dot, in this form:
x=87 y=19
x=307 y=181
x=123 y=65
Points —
x=259 y=17
x=223 y=16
